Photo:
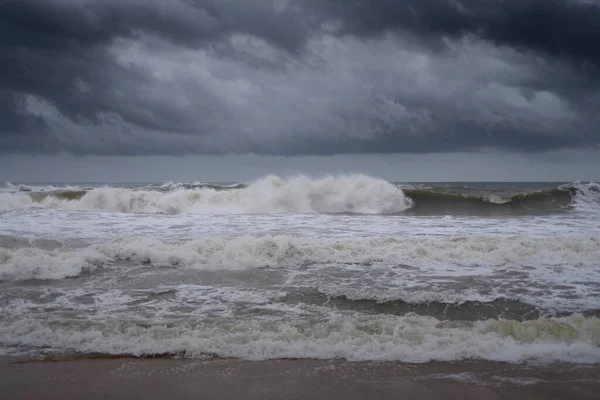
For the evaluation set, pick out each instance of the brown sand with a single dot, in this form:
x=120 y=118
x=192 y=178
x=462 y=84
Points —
x=149 y=379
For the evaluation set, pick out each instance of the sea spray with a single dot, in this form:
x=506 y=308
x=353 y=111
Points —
x=272 y=194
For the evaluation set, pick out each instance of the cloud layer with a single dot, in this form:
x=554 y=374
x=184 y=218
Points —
x=284 y=77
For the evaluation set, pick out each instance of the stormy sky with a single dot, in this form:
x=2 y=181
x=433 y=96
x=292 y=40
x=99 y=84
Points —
x=299 y=78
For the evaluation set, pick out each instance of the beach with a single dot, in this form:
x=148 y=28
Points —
x=125 y=378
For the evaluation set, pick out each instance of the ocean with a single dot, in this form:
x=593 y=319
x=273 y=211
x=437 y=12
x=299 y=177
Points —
x=345 y=267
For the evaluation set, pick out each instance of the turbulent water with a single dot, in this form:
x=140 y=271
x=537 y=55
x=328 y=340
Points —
x=347 y=267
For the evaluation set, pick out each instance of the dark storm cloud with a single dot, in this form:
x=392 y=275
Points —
x=563 y=28
x=297 y=77
x=49 y=47
x=55 y=24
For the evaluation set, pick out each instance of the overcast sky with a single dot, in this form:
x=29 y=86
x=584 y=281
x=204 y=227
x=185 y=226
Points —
x=309 y=86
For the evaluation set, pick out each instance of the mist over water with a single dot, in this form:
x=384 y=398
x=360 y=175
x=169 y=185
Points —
x=349 y=267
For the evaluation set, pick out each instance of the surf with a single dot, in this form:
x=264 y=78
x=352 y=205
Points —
x=351 y=194
x=345 y=194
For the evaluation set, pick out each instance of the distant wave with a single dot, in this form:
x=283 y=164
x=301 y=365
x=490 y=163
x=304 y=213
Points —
x=345 y=194
x=428 y=201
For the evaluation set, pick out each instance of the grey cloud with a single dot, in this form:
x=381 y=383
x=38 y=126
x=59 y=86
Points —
x=563 y=28
x=56 y=24
x=49 y=47
x=297 y=77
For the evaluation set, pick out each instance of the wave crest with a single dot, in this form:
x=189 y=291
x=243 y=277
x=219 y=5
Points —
x=351 y=336
x=272 y=194
x=247 y=252
x=573 y=195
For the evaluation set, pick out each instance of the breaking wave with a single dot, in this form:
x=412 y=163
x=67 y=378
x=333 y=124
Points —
x=356 y=298
x=303 y=334
x=272 y=194
x=247 y=252
x=351 y=194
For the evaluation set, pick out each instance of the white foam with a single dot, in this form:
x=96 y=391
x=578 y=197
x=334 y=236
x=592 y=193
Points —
x=272 y=194
x=346 y=335
x=495 y=199
x=260 y=251
x=33 y=263
x=587 y=198
x=12 y=201
x=70 y=225
x=518 y=381
x=472 y=253
x=11 y=187
x=553 y=272
x=562 y=287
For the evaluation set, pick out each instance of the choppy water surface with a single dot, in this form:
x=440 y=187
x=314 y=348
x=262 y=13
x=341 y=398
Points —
x=346 y=267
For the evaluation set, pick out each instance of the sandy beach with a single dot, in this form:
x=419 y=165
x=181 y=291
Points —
x=129 y=378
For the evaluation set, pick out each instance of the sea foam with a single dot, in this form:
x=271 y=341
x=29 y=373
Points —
x=272 y=194
x=301 y=334
x=247 y=252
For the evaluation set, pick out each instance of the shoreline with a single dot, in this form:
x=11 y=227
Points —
x=75 y=377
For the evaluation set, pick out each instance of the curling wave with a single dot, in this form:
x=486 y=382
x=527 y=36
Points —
x=428 y=201
x=272 y=194
x=570 y=196
x=346 y=194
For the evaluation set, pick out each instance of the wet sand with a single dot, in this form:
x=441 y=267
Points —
x=149 y=379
